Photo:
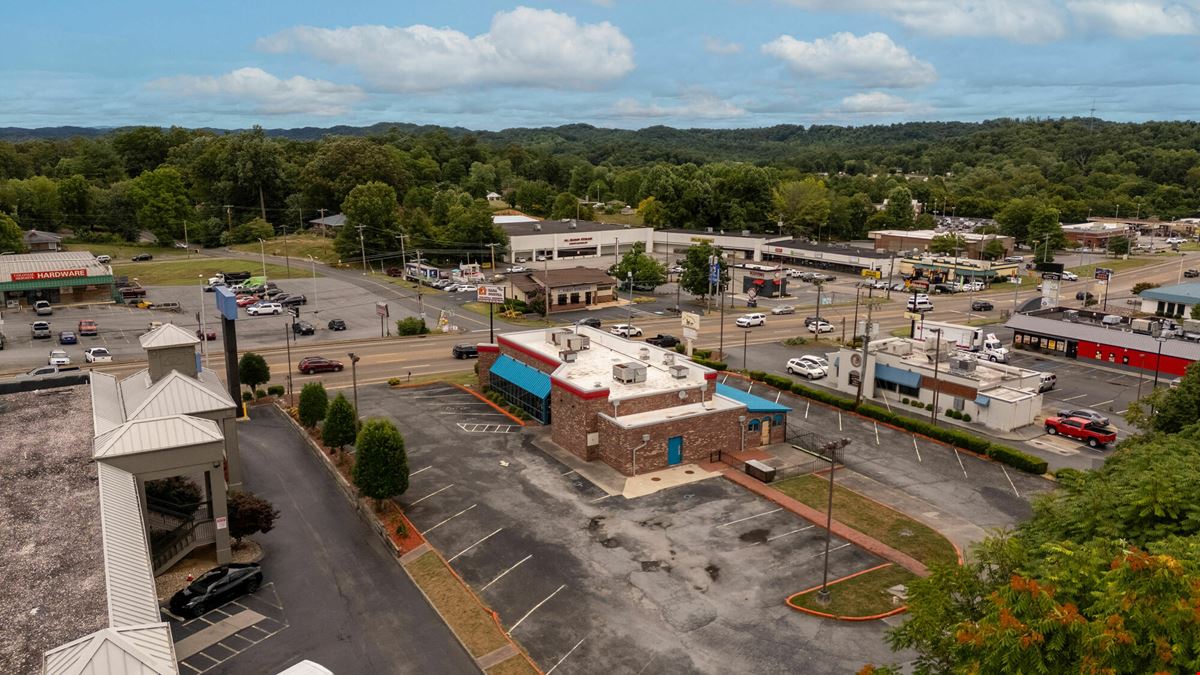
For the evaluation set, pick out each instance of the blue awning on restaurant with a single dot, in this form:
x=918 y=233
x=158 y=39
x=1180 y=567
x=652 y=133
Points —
x=982 y=401
x=754 y=404
x=526 y=377
x=894 y=375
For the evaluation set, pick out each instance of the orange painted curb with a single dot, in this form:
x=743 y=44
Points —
x=483 y=398
x=826 y=615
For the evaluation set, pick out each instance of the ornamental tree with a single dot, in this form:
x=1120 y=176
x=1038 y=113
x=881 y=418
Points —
x=381 y=465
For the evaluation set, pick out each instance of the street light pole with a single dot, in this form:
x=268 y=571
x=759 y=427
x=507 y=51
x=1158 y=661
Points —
x=262 y=252
x=745 y=345
x=817 y=330
x=354 y=381
x=937 y=357
x=362 y=248
x=313 y=262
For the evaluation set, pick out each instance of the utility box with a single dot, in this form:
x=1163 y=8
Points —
x=759 y=470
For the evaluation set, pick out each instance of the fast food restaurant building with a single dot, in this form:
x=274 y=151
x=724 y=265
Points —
x=59 y=277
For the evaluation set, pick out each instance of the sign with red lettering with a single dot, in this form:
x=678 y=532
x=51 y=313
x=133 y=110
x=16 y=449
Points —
x=49 y=274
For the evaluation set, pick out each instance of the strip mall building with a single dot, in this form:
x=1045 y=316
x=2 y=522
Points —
x=59 y=277
x=634 y=406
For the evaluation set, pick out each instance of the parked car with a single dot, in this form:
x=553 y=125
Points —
x=919 y=304
x=675 y=269
x=42 y=308
x=260 y=308
x=783 y=309
x=41 y=329
x=468 y=288
x=590 y=321
x=271 y=293
x=211 y=287
x=465 y=351
x=303 y=328
x=88 y=327
x=104 y=259
x=821 y=326
x=43 y=372
x=292 y=300
x=245 y=300
x=809 y=320
x=665 y=341
x=131 y=292
x=319 y=364
x=97 y=355
x=337 y=324
x=217 y=587
x=808 y=369
x=814 y=359
x=1046 y=382
x=944 y=288
x=142 y=257
x=1081 y=429
x=1087 y=414
x=981 y=306
x=450 y=287
x=626 y=330
x=747 y=320
x=58 y=357
x=67 y=337
x=208 y=334
x=972 y=286
x=1191 y=273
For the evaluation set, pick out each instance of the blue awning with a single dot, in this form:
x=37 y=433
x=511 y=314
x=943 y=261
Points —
x=982 y=401
x=754 y=404
x=894 y=375
x=530 y=379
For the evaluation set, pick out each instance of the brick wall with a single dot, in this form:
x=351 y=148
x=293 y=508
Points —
x=632 y=406
x=573 y=418
x=487 y=358
x=702 y=436
x=778 y=432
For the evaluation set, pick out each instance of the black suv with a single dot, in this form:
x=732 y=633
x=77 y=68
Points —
x=465 y=351
x=292 y=300
x=337 y=324
x=142 y=257
x=981 y=306
x=1084 y=296
x=590 y=321
x=303 y=328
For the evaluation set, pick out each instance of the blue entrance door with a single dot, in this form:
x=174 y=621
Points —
x=675 y=450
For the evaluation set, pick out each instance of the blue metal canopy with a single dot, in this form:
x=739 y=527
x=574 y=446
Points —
x=754 y=404
x=897 y=376
x=530 y=379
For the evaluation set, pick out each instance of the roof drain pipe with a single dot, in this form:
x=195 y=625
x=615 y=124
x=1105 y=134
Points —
x=645 y=440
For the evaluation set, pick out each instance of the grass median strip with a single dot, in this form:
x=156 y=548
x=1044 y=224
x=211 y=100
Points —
x=517 y=665
x=873 y=519
x=864 y=595
x=184 y=272
x=468 y=619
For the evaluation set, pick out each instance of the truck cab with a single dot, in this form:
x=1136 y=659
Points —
x=994 y=350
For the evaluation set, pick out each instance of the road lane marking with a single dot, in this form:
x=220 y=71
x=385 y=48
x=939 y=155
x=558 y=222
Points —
x=564 y=658
x=876 y=425
x=741 y=520
x=456 y=555
x=506 y=572
x=958 y=455
x=432 y=494
x=535 y=607
x=450 y=518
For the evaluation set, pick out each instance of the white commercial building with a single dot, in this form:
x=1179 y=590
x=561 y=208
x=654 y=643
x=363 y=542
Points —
x=570 y=238
x=673 y=244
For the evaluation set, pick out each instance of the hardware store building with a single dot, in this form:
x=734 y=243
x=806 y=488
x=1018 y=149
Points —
x=59 y=277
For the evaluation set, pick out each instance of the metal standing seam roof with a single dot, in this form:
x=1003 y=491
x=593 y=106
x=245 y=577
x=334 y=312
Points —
x=132 y=599
x=54 y=260
x=132 y=650
x=528 y=378
x=177 y=394
x=108 y=411
x=157 y=433
x=168 y=335
x=1186 y=294
x=755 y=404
x=1181 y=349
x=896 y=375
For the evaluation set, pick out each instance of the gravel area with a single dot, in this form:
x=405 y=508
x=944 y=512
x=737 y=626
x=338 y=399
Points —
x=52 y=560
x=200 y=561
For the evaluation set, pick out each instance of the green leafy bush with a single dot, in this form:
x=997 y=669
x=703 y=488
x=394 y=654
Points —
x=260 y=393
x=715 y=365
x=314 y=401
x=276 y=390
x=904 y=400
x=1017 y=459
x=411 y=325
x=966 y=417
x=778 y=381
x=247 y=396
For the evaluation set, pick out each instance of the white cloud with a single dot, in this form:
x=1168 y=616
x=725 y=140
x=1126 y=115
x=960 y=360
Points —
x=718 y=46
x=697 y=106
x=872 y=60
x=267 y=93
x=1135 y=19
x=1019 y=20
x=876 y=103
x=528 y=47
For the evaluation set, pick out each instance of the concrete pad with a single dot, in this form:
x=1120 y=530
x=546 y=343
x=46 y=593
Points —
x=195 y=643
x=649 y=483
x=598 y=473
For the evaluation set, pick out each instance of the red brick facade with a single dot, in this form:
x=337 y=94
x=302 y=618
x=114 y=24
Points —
x=702 y=435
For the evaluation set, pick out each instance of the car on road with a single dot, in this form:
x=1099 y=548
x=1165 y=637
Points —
x=590 y=321
x=748 y=320
x=208 y=334
x=97 y=355
x=304 y=328
x=465 y=351
x=821 y=326
x=1084 y=296
x=1069 y=276
x=541 y=258
x=245 y=300
x=104 y=259
x=820 y=277
x=944 y=288
x=1176 y=240
x=450 y=288
x=58 y=357
x=1046 y=382
x=337 y=324
x=67 y=337
x=291 y=300
x=215 y=588
x=971 y=286
x=41 y=329
x=981 y=306
x=260 y=308
x=783 y=309
x=88 y=327
x=516 y=268
x=1081 y=429
x=808 y=369
x=919 y=304
x=626 y=330
x=898 y=287
x=319 y=364
x=142 y=257
x=42 y=308
x=1087 y=414
x=1191 y=273
x=665 y=341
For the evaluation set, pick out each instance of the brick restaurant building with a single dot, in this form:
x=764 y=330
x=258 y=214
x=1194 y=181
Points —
x=634 y=406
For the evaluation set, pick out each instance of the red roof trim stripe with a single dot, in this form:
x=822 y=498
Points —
x=579 y=393
x=529 y=352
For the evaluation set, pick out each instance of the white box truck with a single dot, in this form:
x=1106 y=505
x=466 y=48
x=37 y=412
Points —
x=965 y=338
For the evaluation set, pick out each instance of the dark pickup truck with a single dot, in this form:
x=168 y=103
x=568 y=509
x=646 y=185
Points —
x=133 y=291
x=660 y=340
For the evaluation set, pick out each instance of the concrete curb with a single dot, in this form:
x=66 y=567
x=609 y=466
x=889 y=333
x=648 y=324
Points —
x=826 y=615
x=483 y=398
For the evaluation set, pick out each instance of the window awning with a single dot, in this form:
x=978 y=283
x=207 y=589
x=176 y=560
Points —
x=982 y=401
x=897 y=376
x=526 y=377
x=754 y=404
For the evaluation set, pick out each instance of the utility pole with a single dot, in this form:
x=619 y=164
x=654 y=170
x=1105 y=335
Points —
x=228 y=217
x=866 y=340
x=262 y=202
x=937 y=357
x=817 y=327
x=323 y=226
x=288 y=335
x=362 y=247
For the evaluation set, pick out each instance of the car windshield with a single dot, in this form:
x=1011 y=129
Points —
x=207 y=580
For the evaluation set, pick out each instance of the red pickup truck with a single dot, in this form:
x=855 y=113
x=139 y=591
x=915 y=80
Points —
x=1095 y=435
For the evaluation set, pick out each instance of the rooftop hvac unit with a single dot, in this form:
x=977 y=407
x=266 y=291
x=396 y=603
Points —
x=573 y=224
x=964 y=364
x=568 y=356
x=644 y=353
x=537 y=227
x=559 y=337
x=679 y=372
x=668 y=359
x=629 y=373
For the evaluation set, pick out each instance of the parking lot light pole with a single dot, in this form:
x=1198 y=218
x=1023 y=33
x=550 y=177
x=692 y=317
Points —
x=823 y=594
x=1156 y=330
x=745 y=345
x=817 y=331
x=262 y=252
x=937 y=357
x=354 y=381
x=313 y=262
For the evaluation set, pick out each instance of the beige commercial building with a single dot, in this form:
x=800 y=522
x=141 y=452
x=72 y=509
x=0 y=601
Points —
x=907 y=242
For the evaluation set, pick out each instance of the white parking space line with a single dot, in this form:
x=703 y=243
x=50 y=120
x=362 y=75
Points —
x=876 y=425
x=450 y=518
x=420 y=470
x=835 y=548
x=781 y=536
x=840 y=416
x=742 y=520
x=960 y=462
x=600 y=499
x=568 y=473
x=432 y=494
x=456 y=555
x=564 y=658
x=1072 y=398
x=918 y=451
x=806 y=404
x=501 y=576
x=1103 y=403
x=1010 y=481
x=535 y=607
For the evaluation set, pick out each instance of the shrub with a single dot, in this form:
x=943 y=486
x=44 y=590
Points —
x=314 y=402
x=249 y=513
x=1143 y=286
x=276 y=390
x=778 y=381
x=715 y=365
x=966 y=417
x=1017 y=459
x=680 y=348
x=795 y=341
x=381 y=465
x=247 y=396
x=702 y=353
x=260 y=393
x=176 y=490
x=411 y=326
x=393 y=381
x=904 y=400
x=339 y=430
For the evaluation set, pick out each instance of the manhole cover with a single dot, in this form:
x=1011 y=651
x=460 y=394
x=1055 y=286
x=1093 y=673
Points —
x=689 y=472
x=656 y=478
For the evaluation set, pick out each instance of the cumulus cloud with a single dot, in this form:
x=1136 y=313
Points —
x=872 y=60
x=526 y=47
x=698 y=106
x=265 y=92
x=1135 y=19
x=718 y=46
x=876 y=103
x=1019 y=20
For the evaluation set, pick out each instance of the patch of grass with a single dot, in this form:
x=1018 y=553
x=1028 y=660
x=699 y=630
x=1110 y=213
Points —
x=873 y=519
x=298 y=246
x=863 y=595
x=183 y=272
x=517 y=665
x=123 y=252
x=481 y=308
x=1115 y=264
x=981 y=322
x=469 y=621
x=903 y=332
x=464 y=377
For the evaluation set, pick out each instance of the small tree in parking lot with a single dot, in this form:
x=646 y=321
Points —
x=253 y=370
x=314 y=402
x=339 y=430
x=249 y=513
x=380 y=465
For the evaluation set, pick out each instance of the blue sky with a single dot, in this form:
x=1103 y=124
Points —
x=618 y=63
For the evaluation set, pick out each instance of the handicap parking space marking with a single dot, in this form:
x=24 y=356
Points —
x=235 y=643
x=487 y=428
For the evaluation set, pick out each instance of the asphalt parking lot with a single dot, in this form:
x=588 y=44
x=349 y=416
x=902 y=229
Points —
x=219 y=635
x=690 y=579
